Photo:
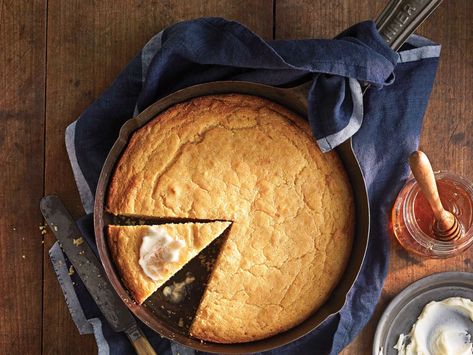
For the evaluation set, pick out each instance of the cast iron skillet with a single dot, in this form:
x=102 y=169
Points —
x=172 y=321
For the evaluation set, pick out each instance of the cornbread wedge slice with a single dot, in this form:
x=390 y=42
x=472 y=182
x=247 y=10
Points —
x=125 y=243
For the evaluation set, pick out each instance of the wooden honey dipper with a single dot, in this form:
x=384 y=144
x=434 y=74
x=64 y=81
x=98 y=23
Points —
x=446 y=226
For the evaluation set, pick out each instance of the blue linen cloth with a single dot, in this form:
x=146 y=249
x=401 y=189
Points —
x=385 y=125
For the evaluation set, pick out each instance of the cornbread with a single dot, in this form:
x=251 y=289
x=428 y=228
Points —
x=250 y=161
x=125 y=243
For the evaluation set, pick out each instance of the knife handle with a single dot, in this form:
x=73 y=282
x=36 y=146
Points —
x=139 y=341
x=142 y=346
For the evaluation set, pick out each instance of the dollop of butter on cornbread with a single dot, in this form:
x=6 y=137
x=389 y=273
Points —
x=157 y=250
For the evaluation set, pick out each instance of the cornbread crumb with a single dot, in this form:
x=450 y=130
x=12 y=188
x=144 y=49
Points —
x=78 y=241
x=71 y=270
x=176 y=292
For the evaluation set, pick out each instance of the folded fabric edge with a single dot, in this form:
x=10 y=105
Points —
x=178 y=349
x=425 y=49
x=149 y=51
x=147 y=54
x=84 y=325
x=328 y=143
x=419 y=53
x=60 y=268
x=85 y=193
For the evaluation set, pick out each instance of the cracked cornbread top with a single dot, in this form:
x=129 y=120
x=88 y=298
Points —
x=247 y=160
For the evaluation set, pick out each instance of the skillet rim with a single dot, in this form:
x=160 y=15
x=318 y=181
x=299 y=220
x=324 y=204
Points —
x=295 y=100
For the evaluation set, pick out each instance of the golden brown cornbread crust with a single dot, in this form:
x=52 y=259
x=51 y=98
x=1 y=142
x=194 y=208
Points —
x=125 y=243
x=248 y=160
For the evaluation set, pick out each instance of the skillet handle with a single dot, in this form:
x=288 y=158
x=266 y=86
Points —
x=400 y=18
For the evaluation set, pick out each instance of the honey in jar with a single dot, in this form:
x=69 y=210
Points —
x=412 y=219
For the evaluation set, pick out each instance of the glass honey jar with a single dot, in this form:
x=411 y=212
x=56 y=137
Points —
x=412 y=219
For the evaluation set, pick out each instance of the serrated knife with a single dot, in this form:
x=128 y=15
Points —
x=90 y=270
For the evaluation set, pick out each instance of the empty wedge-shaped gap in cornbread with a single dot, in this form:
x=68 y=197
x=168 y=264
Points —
x=191 y=281
x=126 y=241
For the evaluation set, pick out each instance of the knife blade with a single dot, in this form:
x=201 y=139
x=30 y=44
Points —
x=91 y=272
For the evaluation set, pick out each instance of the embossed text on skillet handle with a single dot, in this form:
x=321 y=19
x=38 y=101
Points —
x=400 y=18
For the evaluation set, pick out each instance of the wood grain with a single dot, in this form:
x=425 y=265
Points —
x=448 y=120
x=297 y=19
x=22 y=43
x=73 y=49
x=88 y=44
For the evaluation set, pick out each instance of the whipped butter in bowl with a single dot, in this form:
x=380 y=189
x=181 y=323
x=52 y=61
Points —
x=432 y=316
x=443 y=328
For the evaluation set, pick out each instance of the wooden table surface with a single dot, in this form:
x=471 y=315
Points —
x=56 y=58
